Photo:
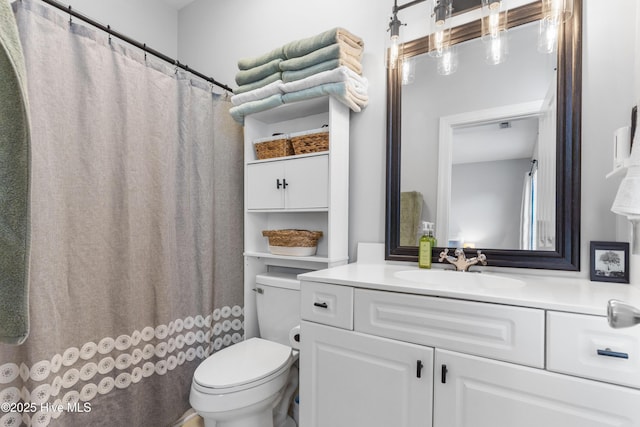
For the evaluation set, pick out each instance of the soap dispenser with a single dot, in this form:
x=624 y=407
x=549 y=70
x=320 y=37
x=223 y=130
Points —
x=424 y=247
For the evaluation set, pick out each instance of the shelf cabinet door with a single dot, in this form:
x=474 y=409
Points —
x=480 y=392
x=350 y=379
x=299 y=184
x=307 y=183
x=263 y=191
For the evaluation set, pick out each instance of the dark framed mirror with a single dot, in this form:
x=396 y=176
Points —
x=560 y=249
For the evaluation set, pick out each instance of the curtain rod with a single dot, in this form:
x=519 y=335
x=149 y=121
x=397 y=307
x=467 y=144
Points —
x=142 y=46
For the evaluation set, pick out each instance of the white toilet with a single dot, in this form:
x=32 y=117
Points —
x=241 y=385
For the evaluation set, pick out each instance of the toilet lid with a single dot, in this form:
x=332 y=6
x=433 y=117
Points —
x=242 y=363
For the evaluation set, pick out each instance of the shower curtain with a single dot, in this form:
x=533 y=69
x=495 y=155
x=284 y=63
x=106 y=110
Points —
x=136 y=232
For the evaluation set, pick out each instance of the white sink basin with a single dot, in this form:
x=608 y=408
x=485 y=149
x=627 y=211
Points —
x=458 y=280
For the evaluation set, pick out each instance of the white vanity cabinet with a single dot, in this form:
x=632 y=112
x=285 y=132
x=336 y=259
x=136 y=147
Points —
x=352 y=379
x=306 y=191
x=480 y=392
x=494 y=365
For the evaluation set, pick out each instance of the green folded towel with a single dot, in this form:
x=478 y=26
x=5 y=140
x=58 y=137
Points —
x=258 y=84
x=305 y=46
x=244 y=77
x=341 y=91
x=333 y=51
x=410 y=217
x=248 y=63
x=239 y=112
x=291 y=76
x=14 y=183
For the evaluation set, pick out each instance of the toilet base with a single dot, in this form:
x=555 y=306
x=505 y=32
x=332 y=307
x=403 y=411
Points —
x=261 y=419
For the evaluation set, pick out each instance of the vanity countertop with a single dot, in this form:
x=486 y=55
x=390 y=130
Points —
x=573 y=295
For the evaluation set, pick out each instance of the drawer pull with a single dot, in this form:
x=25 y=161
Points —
x=609 y=353
x=321 y=304
x=419 y=366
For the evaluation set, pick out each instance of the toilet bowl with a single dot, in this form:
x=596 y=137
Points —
x=240 y=385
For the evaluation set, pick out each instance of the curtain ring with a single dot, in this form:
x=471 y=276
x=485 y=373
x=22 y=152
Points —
x=109 y=29
x=177 y=64
x=144 y=48
x=70 y=16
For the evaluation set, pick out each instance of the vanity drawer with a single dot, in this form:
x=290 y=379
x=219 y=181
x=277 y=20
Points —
x=327 y=304
x=512 y=334
x=586 y=346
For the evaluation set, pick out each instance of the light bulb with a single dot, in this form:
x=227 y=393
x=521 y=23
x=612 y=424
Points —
x=448 y=62
x=548 y=36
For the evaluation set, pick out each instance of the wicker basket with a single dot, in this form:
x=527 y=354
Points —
x=293 y=242
x=312 y=141
x=273 y=146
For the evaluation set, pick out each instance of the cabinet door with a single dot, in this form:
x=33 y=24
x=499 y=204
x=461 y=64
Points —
x=307 y=183
x=350 y=379
x=480 y=392
x=263 y=191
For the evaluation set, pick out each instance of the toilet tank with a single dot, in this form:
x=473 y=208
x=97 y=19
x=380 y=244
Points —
x=278 y=305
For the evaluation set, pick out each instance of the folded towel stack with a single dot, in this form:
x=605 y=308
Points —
x=326 y=64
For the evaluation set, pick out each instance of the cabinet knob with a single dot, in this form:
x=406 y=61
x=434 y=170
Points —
x=443 y=374
x=419 y=367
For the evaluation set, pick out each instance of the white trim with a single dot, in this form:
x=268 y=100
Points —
x=445 y=151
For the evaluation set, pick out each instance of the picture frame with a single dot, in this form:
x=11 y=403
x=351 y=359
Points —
x=609 y=262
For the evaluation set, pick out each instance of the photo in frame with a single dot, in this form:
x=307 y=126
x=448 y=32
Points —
x=609 y=262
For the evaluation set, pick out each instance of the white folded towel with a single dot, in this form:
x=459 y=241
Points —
x=356 y=82
x=258 y=94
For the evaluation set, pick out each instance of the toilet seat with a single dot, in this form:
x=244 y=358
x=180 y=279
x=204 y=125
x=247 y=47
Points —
x=242 y=366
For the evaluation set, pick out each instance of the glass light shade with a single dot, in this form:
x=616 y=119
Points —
x=393 y=51
x=494 y=19
x=548 y=36
x=440 y=31
x=448 y=61
x=557 y=10
x=408 y=71
x=393 y=45
x=497 y=49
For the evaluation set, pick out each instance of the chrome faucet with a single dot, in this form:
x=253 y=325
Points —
x=460 y=261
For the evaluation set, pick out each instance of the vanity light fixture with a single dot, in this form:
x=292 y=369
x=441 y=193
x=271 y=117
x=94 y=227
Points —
x=627 y=201
x=494 y=31
x=440 y=29
x=393 y=48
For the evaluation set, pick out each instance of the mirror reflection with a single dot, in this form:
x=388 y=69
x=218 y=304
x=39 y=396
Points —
x=478 y=154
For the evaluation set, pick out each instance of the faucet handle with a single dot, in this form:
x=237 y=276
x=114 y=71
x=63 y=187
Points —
x=443 y=254
x=482 y=258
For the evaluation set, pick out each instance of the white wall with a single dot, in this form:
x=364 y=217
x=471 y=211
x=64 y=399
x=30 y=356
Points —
x=210 y=36
x=148 y=21
x=214 y=35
